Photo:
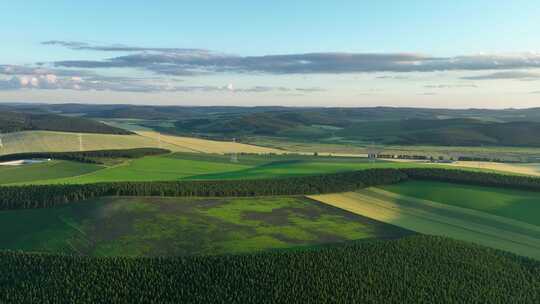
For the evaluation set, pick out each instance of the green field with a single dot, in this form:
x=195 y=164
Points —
x=434 y=218
x=515 y=204
x=517 y=153
x=153 y=226
x=154 y=168
x=47 y=170
x=192 y=166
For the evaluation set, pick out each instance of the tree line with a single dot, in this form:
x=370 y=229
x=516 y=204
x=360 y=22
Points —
x=86 y=156
x=45 y=196
x=416 y=269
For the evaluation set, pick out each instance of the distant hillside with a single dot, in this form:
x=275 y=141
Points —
x=448 y=132
x=135 y=111
x=316 y=127
x=384 y=125
x=17 y=121
x=348 y=114
x=271 y=123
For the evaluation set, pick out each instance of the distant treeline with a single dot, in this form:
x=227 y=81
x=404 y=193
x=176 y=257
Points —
x=43 y=196
x=87 y=156
x=403 y=156
x=417 y=269
x=484 y=159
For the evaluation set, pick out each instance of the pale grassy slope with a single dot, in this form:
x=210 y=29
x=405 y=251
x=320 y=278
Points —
x=525 y=169
x=49 y=141
x=206 y=146
x=438 y=219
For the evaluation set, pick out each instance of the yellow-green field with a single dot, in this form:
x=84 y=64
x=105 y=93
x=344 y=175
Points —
x=49 y=141
x=204 y=145
x=429 y=217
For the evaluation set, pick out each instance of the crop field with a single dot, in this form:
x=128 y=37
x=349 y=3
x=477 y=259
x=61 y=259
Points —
x=515 y=204
x=49 y=141
x=205 y=146
x=150 y=226
x=158 y=168
x=429 y=217
x=215 y=167
x=47 y=170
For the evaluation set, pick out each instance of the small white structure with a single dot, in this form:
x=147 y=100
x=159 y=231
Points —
x=234 y=155
x=373 y=152
x=21 y=162
x=80 y=142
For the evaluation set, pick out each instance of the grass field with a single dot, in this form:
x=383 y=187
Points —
x=214 y=167
x=47 y=170
x=174 y=226
x=515 y=204
x=434 y=218
x=159 y=168
x=299 y=168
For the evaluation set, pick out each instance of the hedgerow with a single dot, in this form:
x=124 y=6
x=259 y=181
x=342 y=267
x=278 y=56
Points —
x=43 y=196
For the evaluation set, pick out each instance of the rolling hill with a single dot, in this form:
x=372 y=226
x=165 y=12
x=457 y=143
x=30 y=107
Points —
x=446 y=132
x=381 y=125
x=321 y=128
x=354 y=114
x=19 y=121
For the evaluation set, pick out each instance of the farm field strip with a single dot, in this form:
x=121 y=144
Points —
x=532 y=169
x=159 y=168
x=520 y=205
x=439 y=219
x=359 y=147
x=523 y=169
x=207 y=146
x=465 y=215
x=53 y=141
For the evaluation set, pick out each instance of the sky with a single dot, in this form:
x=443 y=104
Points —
x=446 y=54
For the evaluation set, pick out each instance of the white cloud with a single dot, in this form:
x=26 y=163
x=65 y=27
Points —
x=34 y=82
x=24 y=81
x=51 y=78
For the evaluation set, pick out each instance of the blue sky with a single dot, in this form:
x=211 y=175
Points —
x=401 y=53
